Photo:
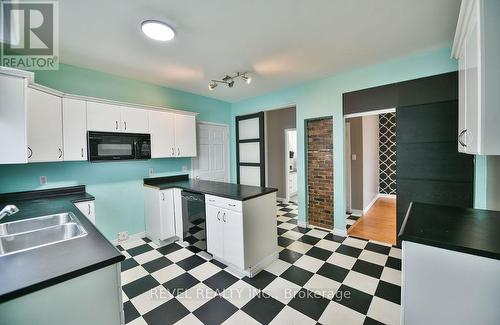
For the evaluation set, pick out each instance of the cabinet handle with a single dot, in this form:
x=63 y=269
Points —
x=125 y=124
x=31 y=152
x=211 y=200
x=178 y=152
x=460 y=138
x=224 y=217
x=173 y=152
x=60 y=152
x=163 y=196
x=116 y=125
x=82 y=152
x=89 y=208
x=232 y=205
x=218 y=215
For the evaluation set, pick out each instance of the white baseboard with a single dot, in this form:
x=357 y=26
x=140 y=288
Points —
x=302 y=224
x=132 y=237
x=365 y=210
x=281 y=199
x=388 y=196
x=339 y=232
x=357 y=213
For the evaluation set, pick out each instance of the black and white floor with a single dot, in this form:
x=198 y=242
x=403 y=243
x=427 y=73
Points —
x=319 y=278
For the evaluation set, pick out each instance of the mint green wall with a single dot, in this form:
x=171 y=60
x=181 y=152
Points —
x=117 y=186
x=324 y=98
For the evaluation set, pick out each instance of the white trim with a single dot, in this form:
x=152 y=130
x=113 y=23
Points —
x=365 y=210
x=46 y=90
x=464 y=16
x=339 y=232
x=287 y=159
x=376 y=112
x=387 y=196
x=356 y=213
x=282 y=199
x=132 y=237
x=302 y=224
x=348 y=163
x=18 y=73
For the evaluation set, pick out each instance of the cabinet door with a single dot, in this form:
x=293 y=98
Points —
x=74 y=129
x=233 y=238
x=161 y=127
x=44 y=127
x=215 y=231
x=461 y=104
x=134 y=120
x=103 y=117
x=167 y=222
x=88 y=209
x=472 y=83
x=185 y=135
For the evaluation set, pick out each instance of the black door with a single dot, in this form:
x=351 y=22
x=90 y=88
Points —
x=250 y=151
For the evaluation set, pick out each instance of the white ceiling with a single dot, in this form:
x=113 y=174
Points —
x=283 y=42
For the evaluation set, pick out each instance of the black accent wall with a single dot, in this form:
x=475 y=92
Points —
x=429 y=169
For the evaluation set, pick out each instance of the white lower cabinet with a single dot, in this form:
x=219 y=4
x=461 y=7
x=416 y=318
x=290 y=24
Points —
x=225 y=235
x=160 y=214
x=88 y=209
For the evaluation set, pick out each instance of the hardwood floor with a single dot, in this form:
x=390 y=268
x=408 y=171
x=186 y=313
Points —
x=379 y=223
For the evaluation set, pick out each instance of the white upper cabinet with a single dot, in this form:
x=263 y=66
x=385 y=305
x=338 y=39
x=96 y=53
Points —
x=161 y=128
x=185 y=135
x=134 y=120
x=116 y=118
x=44 y=127
x=13 y=120
x=74 y=129
x=103 y=117
x=477 y=48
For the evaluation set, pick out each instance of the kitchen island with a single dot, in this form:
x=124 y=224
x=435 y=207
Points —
x=76 y=281
x=450 y=265
x=240 y=220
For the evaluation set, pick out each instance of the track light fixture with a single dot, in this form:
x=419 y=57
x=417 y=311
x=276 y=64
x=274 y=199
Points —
x=229 y=80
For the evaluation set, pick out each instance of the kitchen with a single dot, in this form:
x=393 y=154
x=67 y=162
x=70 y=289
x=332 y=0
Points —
x=108 y=159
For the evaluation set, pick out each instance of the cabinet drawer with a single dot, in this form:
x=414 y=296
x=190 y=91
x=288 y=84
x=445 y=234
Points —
x=224 y=203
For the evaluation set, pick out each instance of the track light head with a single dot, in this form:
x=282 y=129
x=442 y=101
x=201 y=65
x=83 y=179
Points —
x=246 y=78
x=212 y=85
x=230 y=84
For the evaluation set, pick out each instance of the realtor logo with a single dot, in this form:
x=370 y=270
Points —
x=29 y=35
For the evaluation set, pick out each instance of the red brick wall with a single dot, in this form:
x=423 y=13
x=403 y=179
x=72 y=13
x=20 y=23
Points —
x=320 y=172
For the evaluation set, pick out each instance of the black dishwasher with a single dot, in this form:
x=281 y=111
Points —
x=193 y=219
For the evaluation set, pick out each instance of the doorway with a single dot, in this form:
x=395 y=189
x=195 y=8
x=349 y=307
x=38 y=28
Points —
x=371 y=175
x=291 y=165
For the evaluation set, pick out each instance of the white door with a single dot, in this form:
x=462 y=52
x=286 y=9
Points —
x=233 y=238
x=74 y=129
x=45 y=141
x=162 y=129
x=250 y=161
x=185 y=135
x=134 y=120
x=167 y=214
x=215 y=231
x=88 y=209
x=103 y=117
x=212 y=160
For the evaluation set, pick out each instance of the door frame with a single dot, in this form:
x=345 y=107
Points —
x=287 y=158
x=227 y=144
x=347 y=153
x=262 y=146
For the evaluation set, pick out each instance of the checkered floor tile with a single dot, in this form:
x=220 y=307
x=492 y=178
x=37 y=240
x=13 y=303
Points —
x=318 y=278
x=350 y=220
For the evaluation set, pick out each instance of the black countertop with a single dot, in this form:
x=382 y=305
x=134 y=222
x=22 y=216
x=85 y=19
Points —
x=227 y=190
x=28 y=271
x=471 y=231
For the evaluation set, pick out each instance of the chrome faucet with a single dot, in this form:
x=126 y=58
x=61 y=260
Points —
x=8 y=210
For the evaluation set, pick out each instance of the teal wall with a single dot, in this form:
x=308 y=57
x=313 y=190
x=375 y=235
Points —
x=324 y=98
x=117 y=186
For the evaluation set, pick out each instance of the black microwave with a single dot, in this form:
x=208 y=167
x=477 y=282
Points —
x=103 y=146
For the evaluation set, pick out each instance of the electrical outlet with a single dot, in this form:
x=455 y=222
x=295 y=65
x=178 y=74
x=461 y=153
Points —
x=184 y=168
x=43 y=180
x=151 y=171
x=354 y=157
x=122 y=235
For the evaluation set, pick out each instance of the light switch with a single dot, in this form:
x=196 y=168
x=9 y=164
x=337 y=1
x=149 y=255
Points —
x=353 y=157
x=43 y=180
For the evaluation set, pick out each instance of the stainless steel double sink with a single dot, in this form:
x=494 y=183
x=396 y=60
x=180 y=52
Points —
x=35 y=232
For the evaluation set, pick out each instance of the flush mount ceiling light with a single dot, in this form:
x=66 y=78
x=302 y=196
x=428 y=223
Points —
x=229 y=80
x=157 y=30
